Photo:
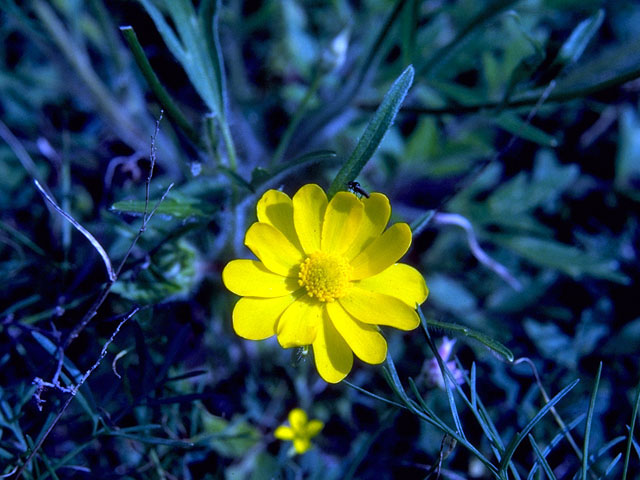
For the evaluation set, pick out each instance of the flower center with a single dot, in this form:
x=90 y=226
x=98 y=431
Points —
x=325 y=276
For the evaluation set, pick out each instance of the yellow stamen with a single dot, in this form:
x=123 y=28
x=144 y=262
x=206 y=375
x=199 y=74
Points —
x=325 y=276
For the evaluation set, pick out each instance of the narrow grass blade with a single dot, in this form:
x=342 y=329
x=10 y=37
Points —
x=555 y=441
x=612 y=465
x=632 y=425
x=472 y=386
x=375 y=131
x=394 y=379
x=173 y=112
x=606 y=448
x=511 y=447
x=587 y=428
x=541 y=459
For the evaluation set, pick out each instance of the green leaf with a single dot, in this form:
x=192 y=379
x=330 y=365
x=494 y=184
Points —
x=523 y=193
x=568 y=259
x=171 y=274
x=373 y=134
x=229 y=438
x=190 y=49
x=512 y=123
x=575 y=45
x=175 y=205
x=475 y=335
x=450 y=295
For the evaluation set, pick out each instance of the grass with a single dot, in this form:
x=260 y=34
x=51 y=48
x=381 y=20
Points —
x=137 y=138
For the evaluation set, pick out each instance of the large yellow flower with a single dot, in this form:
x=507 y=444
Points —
x=327 y=277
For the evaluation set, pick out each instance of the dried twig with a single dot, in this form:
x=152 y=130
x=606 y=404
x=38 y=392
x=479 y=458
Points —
x=476 y=249
x=80 y=228
x=55 y=383
x=74 y=390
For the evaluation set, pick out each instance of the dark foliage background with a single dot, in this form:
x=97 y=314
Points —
x=522 y=123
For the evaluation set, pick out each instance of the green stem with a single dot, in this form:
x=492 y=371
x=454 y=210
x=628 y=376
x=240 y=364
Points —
x=587 y=428
x=173 y=112
x=228 y=142
x=526 y=100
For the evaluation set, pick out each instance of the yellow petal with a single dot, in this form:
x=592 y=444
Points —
x=301 y=445
x=299 y=323
x=256 y=318
x=309 y=205
x=297 y=419
x=276 y=208
x=383 y=252
x=332 y=355
x=283 y=433
x=274 y=250
x=314 y=427
x=252 y=279
x=374 y=220
x=400 y=281
x=365 y=340
x=341 y=222
x=379 y=309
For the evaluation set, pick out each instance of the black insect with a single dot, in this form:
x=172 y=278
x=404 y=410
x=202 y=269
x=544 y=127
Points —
x=356 y=188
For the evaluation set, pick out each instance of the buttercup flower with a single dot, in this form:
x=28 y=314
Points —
x=300 y=431
x=327 y=277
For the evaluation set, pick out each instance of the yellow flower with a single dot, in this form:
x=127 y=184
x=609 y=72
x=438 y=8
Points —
x=327 y=277
x=300 y=431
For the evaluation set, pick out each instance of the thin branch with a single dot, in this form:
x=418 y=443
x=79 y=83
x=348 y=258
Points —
x=74 y=390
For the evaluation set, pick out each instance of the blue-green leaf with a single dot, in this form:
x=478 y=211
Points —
x=375 y=131
x=575 y=45
x=510 y=122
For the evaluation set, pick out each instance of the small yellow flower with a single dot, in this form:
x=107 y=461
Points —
x=327 y=277
x=300 y=431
